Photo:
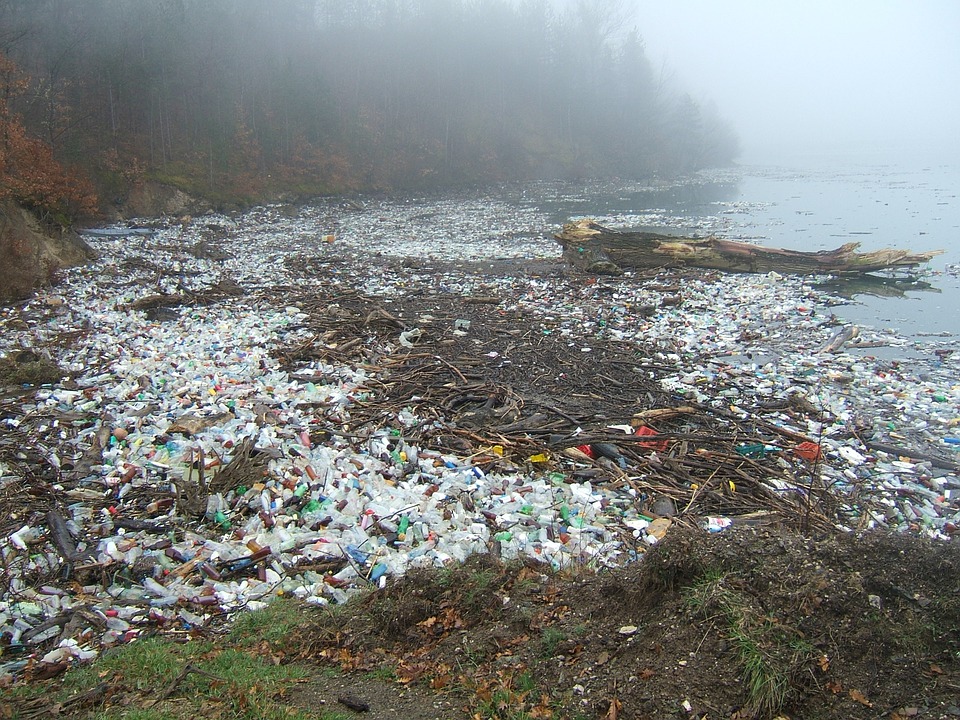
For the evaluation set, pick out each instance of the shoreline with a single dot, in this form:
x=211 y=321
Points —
x=294 y=362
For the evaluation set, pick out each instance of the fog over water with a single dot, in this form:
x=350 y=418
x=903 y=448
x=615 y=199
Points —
x=817 y=81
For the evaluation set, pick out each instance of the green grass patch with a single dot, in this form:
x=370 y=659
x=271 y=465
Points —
x=526 y=683
x=511 y=697
x=771 y=654
x=385 y=673
x=767 y=686
x=274 y=624
x=503 y=704
x=159 y=679
x=140 y=714
x=550 y=638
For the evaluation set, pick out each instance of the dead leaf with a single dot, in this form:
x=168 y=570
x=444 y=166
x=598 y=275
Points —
x=859 y=697
x=541 y=712
x=613 y=712
x=647 y=673
x=45 y=671
x=409 y=672
x=527 y=573
x=824 y=663
x=513 y=642
x=936 y=669
x=834 y=687
x=451 y=618
x=440 y=682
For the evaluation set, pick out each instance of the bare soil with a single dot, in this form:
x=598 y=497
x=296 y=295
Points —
x=33 y=254
x=854 y=626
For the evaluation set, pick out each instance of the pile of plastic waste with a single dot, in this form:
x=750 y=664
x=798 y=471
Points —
x=178 y=473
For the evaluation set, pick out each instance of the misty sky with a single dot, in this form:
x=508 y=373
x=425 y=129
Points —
x=817 y=77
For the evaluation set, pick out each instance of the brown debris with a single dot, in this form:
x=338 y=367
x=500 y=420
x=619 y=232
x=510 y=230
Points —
x=602 y=250
x=535 y=395
x=215 y=293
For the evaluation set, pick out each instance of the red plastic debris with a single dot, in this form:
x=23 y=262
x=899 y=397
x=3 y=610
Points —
x=644 y=431
x=809 y=451
x=586 y=450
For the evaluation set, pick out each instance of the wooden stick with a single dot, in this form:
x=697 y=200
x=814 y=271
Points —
x=60 y=535
x=172 y=687
x=914 y=454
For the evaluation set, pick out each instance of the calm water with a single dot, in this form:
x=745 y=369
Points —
x=879 y=206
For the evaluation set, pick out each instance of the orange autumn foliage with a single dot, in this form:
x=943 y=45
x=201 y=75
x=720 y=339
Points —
x=29 y=173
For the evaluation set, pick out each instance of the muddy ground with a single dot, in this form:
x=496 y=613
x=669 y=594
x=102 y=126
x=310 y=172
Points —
x=34 y=254
x=750 y=622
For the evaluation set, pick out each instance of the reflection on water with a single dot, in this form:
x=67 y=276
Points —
x=878 y=207
x=852 y=286
x=695 y=198
x=810 y=210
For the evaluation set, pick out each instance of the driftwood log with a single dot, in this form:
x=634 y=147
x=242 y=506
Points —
x=603 y=250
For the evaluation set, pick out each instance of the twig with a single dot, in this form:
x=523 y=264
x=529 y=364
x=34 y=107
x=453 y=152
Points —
x=172 y=687
x=452 y=367
x=559 y=412
x=915 y=454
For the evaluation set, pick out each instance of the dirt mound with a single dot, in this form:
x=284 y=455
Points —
x=32 y=255
x=152 y=199
x=750 y=622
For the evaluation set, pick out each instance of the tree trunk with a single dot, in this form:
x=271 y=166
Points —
x=603 y=250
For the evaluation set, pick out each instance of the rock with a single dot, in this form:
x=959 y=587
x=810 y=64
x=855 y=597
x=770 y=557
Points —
x=664 y=507
x=24 y=367
x=354 y=703
x=153 y=199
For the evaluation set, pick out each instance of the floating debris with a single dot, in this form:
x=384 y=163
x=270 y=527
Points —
x=311 y=418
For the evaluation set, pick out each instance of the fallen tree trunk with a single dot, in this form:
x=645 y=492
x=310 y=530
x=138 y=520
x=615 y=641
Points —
x=603 y=250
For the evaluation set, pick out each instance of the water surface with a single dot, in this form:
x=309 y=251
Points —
x=878 y=206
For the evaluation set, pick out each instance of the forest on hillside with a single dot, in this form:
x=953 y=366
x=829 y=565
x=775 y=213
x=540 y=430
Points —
x=242 y=99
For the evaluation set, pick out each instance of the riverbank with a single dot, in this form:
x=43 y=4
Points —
x=318 y=400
